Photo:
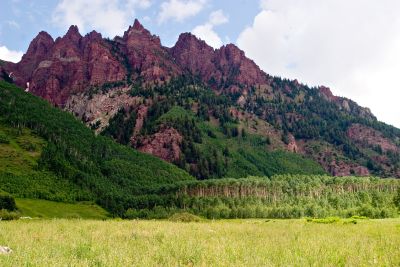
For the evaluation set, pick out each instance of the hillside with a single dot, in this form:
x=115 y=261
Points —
x=212 y=112
x=46 y=153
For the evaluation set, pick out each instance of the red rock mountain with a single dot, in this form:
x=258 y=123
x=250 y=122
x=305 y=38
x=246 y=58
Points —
x=93 y=77
x=55 y=70
x=221 y=67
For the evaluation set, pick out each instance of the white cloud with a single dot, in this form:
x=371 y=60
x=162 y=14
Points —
x=351 y=46
x=218 y=17
x=10 y=55
x=13 y=24
x=111 y=17
x=207 y=32
x=179 y=10
x=143 y=4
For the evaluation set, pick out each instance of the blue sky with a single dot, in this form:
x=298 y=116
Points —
x=351 y=46
x=21 y=20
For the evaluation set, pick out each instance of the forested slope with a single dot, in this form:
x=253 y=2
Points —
x=47 y=153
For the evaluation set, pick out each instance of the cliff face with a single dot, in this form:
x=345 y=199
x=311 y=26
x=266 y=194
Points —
x=145 y=55
x=222 y=69
x=55 y=70
x=95 y=78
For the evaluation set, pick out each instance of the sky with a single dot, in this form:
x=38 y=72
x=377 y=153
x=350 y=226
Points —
x=351 y=46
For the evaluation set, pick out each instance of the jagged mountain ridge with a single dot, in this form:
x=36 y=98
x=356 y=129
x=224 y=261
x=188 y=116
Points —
x=95 y=78
x=73 y=62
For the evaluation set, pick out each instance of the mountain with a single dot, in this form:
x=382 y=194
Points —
x=212 y=112
x=46 y=153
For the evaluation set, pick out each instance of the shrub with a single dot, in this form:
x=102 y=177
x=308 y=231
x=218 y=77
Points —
x=4 y=139
x=350 y=221
x=324 y=220
x=7 y=202
x=132 y=214
x=9 y=215
x=185 y=217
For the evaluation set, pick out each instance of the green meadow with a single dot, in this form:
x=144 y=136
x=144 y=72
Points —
x=62 y=242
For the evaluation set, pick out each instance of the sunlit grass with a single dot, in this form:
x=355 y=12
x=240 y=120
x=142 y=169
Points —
x=210 y=243
x=49 y=209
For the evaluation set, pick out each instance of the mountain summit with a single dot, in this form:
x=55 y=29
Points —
x=213 y=112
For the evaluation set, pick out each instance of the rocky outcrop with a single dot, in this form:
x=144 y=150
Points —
x=55 y=70
x=164 y=144
x=292 y=145
x=342 y=168
x=98 y=108
x=5 y=250
x=140 y=117
x=148 y=59
x=223 y=68
x=72 y=64
x=326 y=93
x=331 y=159
x=346 y=104
x=366 y=136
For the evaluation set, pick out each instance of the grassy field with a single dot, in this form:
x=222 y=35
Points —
x=49 y=209
x=211 y=243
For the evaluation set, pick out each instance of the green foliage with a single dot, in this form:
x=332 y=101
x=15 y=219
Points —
x=184 y=217
x=121 y=126
x=324 y=220
x=7 y=202
x=203 y=141
x=38 y=208
x=356 y=217
x=281 y=196
x=315 y=118
x=72 y=157
x=4 y=138
x=396 y=199
x=7 y=215
x=43 y=185
x=50 y=155
x=158 y=212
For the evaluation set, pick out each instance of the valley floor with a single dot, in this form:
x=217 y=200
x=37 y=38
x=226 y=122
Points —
x=62 y=242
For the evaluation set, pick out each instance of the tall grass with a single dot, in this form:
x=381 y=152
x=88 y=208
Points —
x=212 y=243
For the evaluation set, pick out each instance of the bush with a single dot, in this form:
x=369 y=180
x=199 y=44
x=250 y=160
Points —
x=185 y=217
x=350 y=221
x=7 y=202
x=9 y=215
x=4 y=138
x=324 y=220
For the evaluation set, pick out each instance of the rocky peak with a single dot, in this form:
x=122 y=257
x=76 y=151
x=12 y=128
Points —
x=73 y=34
x=232 y=53
x=39 y=46
x=238 y=68
x=188 y=41
x=327 y=94
x=138 y=35
x=138 y=26
x=227 y=63
x=94 y=36
x=38 y=50
x=194 y=55
x=146 y=55
x=345 y=104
